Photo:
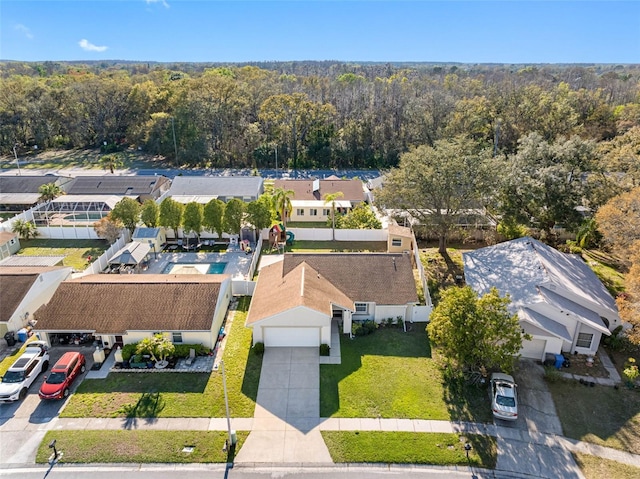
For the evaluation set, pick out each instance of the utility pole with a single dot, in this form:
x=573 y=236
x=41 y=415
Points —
x=276 y=161
x=15 y=153
x=226 y=404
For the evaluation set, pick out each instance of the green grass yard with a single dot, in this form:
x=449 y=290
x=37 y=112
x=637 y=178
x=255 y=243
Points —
x=391 y=374
x=594 y=467
x=601 y=415
x=139 y=395
x=133 y=446
x=410 y=448
x=75 y=252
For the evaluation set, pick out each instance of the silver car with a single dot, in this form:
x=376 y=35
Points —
x=504 y=398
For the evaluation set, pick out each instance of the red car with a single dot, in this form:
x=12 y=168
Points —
x=57 y=384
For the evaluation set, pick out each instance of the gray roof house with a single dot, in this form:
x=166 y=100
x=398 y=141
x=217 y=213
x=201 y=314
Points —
x=559 y=300
x=141 y=187
x=187 y=189
x=19 y=193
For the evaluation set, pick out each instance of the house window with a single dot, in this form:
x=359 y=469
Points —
x=396 y=242
x=326 y=212
x=300 y=212
x=361 y=307
x=313 y=212
x=584 y=340
x=176 y=338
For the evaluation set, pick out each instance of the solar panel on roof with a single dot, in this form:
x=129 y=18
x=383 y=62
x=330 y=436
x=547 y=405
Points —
x=20 y=363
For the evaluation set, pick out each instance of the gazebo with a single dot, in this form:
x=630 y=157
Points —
x=129 y=258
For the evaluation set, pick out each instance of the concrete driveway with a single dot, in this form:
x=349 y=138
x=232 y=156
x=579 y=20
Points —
x=287 y=415
x=536 y=415
x=24 y=423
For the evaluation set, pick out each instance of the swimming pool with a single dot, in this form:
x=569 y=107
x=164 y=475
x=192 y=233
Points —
x=194 y=268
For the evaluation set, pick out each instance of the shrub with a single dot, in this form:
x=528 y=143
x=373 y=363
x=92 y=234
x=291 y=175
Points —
x=630 y=371
x=258 y=349
x=129 y=350
x=324 y=350
x=389 y=322
x=183 y=350
x=364 y=328
x=616 y=341
x=357 y=330
x=400 y=322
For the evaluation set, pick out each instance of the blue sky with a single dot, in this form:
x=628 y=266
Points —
x=235 y=31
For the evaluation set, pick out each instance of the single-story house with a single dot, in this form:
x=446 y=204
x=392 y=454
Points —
x=559 y=300
x=140 y=187
x=9 y=244
x=19 y=193
x=308 y=201
x=198 y=189
x=296 y=299
x=23 y=290
x=123 y=309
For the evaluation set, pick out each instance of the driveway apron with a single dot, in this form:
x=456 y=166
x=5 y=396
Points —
x=287 y=414
x=516 y=449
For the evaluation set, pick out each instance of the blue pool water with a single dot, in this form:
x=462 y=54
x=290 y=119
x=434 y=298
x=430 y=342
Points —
x=202 y=268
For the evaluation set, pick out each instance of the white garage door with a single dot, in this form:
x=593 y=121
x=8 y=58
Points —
x=291 y=337
x=533 y=349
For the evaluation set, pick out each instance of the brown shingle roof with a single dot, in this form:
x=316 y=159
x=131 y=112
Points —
x=303 y=189
x=397 y=230
x=13 y=289
x=302 y=286
x=6 y=236
x=382 y=278
x=119 y=303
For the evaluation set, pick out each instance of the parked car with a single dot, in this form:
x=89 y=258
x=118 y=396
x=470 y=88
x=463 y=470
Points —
x=63 y=373
x=24 y=371
x=504 y=398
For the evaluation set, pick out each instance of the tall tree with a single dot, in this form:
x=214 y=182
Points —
x=192 y=218
x=330 y=199
x=259 y=212
x=108 y=229
x=50 y=191
x=361 y=217
x=127 y=211
x=150 y=213
x=233 y=216
x=282 y=204
x=544 y=182
x=171 y=214
x=476 y=332
x=212 y=216
x=111 y=161
x=436 y=184
x=293 y=117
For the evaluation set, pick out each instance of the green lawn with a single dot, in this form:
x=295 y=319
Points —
x=133 y=446
x=607 y=269
x=596 y=468
x=333 y=247
x=390 y=374
x=84 y=158
x=410 y=448
x=601 y=415
x=75 y=252
x=177 y=394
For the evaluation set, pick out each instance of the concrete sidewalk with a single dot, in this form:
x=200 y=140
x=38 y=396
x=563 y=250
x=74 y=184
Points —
x=516 y=436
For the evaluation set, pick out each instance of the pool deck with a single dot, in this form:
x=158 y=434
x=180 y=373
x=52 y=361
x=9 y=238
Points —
x=237 y=262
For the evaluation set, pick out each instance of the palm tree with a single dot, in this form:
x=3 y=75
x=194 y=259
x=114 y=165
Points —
x=50 y=191
x=331 y=198
x=25 y=229
x=111 y=161
x=282 y=203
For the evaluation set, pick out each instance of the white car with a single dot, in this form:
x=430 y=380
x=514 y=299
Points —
x=24 y=371
x=504 y=398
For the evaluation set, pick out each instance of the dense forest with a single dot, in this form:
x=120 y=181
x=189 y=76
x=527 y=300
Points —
x=315 y=114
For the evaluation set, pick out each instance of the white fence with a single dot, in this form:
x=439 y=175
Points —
x=325 y=234
x=102 y=262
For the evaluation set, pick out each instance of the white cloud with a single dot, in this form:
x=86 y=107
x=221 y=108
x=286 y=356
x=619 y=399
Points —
x=164 y=3
x=90 y=47
x=22 y=29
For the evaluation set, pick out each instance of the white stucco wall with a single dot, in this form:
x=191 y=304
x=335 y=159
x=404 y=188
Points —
x=384 y=311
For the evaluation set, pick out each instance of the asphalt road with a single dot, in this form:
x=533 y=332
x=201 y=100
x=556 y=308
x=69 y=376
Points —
x=209 y=472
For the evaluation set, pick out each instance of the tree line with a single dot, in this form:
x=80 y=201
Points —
x=314 y=114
